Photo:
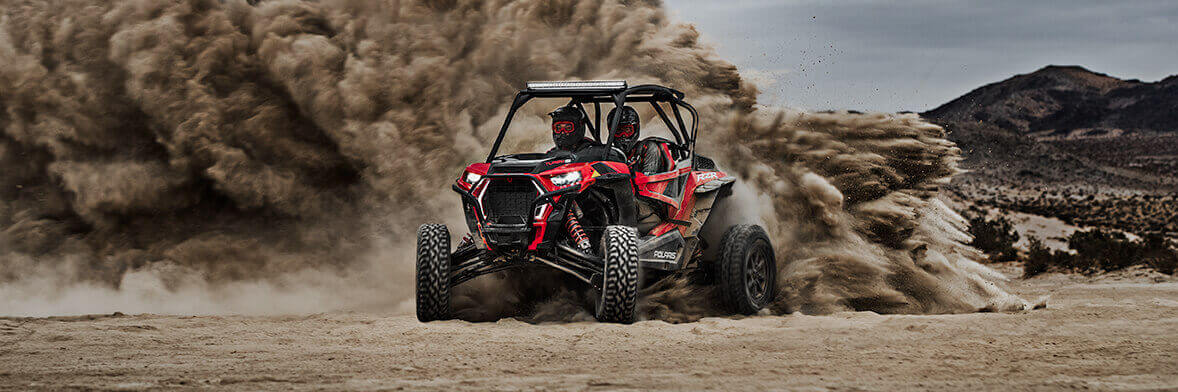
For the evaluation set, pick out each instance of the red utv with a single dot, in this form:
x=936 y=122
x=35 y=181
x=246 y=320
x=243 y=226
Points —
x=529 y=210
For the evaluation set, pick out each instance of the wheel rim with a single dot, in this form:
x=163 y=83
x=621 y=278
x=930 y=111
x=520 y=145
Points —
x=757 y=275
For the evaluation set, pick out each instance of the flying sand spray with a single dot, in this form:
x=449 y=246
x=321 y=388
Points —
x=226 y=157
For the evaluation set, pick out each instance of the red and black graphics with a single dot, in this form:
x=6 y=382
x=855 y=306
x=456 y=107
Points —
x=663 y=187
x=680 y=214
x=660 y=187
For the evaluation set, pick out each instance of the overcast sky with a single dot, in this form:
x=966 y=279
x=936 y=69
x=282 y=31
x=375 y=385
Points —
x=915 y=55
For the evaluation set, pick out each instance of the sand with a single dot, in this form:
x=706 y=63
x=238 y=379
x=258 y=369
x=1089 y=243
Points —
x=1096 y=333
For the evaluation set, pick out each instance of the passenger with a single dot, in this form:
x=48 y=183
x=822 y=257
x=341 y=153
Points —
x=648 y=156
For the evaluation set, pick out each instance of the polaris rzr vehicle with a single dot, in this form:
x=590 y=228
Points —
x=576 y=212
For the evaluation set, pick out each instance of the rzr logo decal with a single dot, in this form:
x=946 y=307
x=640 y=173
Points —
x=708 y=176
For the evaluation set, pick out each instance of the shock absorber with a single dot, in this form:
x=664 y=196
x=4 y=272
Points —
x=576 y=232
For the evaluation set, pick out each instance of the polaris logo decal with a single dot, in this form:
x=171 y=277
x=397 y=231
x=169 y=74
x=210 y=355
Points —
x=665 y=254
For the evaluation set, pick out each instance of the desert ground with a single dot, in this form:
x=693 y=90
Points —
x=1114 y=332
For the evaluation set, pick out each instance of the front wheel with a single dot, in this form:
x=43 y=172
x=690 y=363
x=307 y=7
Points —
x=747 y=269
x=619 y=288
x=433 y=272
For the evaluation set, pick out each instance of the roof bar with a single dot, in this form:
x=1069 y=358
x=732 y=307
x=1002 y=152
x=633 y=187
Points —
x=578 y=85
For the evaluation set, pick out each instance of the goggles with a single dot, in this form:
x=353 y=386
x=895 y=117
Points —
x=626 y=131
x=563 y=127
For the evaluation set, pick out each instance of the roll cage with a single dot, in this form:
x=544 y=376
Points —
x=618 y=93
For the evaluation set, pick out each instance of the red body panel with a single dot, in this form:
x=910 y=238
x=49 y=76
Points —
x=683 y=211
x=649 y=186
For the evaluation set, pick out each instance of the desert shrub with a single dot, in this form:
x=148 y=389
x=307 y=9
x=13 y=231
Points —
x=995 y=237
x=1161 y=254
x=1166 y=265
x=1039 y=258
x=1098 y=250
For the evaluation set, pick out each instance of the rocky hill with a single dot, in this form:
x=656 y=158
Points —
x=1064 y=101
x=1067 y=142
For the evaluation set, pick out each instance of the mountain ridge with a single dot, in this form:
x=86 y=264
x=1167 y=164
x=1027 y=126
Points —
x=1067 y=142
x=1068 y=101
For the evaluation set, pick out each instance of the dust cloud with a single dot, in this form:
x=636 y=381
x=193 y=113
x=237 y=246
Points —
x=259 y=157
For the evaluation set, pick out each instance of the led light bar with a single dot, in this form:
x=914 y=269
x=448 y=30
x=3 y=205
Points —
x=578 y=85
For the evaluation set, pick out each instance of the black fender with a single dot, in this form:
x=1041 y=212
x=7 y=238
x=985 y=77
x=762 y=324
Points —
x=724 y=213
x=620 y=186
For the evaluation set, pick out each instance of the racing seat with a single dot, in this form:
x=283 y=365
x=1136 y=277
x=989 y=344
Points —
x=655 y=156
x=658 y=181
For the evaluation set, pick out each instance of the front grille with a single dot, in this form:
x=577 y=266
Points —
x=509 y=200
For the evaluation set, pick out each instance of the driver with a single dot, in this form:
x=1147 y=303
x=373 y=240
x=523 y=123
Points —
x=568 y=130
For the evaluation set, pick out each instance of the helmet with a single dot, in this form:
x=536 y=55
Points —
x=627 y=131
x=568 y=127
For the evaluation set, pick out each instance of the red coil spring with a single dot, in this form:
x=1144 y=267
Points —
x=575 y=231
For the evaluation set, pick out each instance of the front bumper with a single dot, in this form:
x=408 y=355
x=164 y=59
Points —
x=515 y=238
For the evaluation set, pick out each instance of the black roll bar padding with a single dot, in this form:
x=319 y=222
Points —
x=694 y=130
x=520 y=99
x=597 y=116
x=592 y=125
x=619 y=102
x=663 y=115
x=678 y=117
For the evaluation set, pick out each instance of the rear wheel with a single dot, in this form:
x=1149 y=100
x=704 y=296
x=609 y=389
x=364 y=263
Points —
x=433 y=272
x=619 y=288
x=747 y=269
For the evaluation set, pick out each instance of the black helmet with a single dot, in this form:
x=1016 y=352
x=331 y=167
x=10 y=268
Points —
x=568 y=126
x=627 y=131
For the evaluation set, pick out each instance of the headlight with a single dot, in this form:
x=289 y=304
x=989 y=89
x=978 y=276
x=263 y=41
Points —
x=472 y=178
x=563 y=180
